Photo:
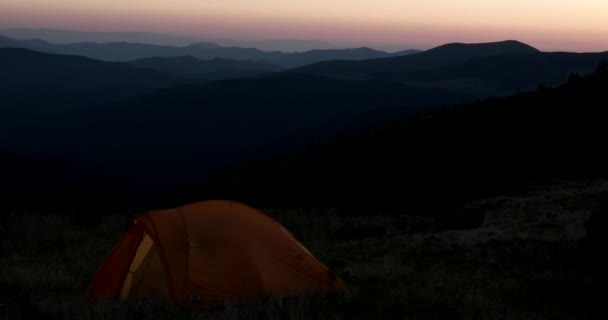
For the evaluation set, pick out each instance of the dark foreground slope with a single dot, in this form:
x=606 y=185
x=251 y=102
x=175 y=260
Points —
x=498 y=145
x=535 y=256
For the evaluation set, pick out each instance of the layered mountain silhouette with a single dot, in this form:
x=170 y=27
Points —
x=488 y=69
x=72 y=36
x=125 y=51
x=23 y=68
x=34 y=85
x=503 y=74
x=164 y=131
x=6 y=42
x=445 y=55
x=314 y=56
x=215 y=69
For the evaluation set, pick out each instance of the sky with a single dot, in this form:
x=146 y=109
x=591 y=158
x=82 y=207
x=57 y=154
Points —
x=552 y=25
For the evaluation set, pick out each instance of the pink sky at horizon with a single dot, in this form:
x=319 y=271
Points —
x=546 y=24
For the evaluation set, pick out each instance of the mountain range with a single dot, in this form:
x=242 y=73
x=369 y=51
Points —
x=438 y=57
x=485 y=69
x=126 y=51
x=147 y=130
x=215 y=69
x=35 y=84
x=23 y=68
x=72 y=36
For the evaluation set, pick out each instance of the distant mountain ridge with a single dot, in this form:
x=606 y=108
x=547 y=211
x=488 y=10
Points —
x=437 y=57
x=72 y=36
x=465 y=51
x=35 y=84
x=214 y=69
x=126 y=51
x=505 y=74
x=24 y=68
x=175 y=131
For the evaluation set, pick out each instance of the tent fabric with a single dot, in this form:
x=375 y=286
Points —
x=145 y=277
x=209 y=253
x=108 y=279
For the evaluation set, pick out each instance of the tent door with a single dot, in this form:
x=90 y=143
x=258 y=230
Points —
x=146 y=276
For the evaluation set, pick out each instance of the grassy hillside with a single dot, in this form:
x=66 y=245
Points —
x=531 y=256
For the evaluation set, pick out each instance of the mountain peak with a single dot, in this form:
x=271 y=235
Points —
x=5 y=38
x=204 y=45
x=499 y=47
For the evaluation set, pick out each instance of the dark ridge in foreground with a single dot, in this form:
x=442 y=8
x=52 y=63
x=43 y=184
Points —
x=495 y=146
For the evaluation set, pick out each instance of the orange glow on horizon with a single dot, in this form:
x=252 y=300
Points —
x=548 y=25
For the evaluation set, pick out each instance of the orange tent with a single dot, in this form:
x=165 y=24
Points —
x=209 y=253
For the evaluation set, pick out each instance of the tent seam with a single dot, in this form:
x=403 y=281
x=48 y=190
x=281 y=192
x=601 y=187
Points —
x=161 y=252
x=181 y=215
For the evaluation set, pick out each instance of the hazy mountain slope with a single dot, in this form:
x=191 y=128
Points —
x=6 y=41
x=34 y=85
x=405 y=52
x=283 y=45
x=126 y=51
x=479 y=70
x=502 y=75
x=494 y=146
x=438 y=57
x=215 y=69
x=185 y=133
x=314 y=56
x=72 y=36
x=22 y=68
